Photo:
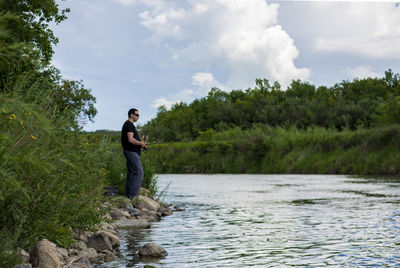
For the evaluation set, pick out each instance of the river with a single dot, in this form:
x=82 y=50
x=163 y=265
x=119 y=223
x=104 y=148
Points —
x=274 y=221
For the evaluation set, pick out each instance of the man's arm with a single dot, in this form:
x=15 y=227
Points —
x=132 y=140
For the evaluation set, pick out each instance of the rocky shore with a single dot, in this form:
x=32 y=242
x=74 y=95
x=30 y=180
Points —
x=92 y=249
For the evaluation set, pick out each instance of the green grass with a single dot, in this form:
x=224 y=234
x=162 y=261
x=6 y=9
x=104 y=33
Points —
x=276 y=150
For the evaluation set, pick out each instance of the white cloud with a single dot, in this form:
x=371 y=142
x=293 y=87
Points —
x=242 y=38
x=163 y=102
x=136 y=2
x=364 y=29
x=202 y=82
x=361 y=71
x=205 y=81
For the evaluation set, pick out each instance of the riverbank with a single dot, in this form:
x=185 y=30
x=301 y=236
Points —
x=274 y=150
x=94 y=249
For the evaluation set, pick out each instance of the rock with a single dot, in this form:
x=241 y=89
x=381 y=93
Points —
x=78 y=262
x=132 y=224
x=100 y=242
x=126 y=214
x=82 y=235
x=165 y=211
x=25 y=256
x=178 y=209
x=151 y=216
x=149 y=266
x=109 y=258
x=147 y=203
x=106 y=252
x=79 y=245
x=108 y=228
x=113 y=238
x=44 y=255
x=23 y=265
x=128 y=205
x=114 y=226
x=117 y=214
x=70 y=259
x=101 y=256
x=145 y=192
x=133 y=211
x=123 y=202
x=72 y=252
x=107 y=205
x=89 y=253
x=107 y=217
x=63 y=252
x=152 y=250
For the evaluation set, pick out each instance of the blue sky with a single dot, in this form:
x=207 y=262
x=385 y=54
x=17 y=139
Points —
x=146 y=53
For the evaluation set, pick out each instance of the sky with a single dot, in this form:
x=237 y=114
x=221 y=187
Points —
x=147 y=53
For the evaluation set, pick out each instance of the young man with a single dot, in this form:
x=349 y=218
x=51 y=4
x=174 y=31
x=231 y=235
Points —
x=132 y=145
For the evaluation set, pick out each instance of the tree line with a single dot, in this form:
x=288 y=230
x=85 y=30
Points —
x=361 y=103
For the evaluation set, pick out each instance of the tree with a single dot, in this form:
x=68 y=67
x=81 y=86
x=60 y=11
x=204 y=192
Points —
x=32 y=26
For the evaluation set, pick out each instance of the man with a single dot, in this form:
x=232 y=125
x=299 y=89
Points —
x=132 y=145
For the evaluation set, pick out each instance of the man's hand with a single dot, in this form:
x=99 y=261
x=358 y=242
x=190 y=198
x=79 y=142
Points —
x=143 y=145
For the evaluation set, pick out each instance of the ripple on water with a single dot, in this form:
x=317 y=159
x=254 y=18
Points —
x=277 y=220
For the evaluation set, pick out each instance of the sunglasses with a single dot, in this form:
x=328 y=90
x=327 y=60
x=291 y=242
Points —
x=136 y=114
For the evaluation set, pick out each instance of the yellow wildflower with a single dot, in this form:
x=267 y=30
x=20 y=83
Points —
x=33 y=137
x=22 y=123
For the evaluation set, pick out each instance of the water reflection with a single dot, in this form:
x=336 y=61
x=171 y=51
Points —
x=276 y=220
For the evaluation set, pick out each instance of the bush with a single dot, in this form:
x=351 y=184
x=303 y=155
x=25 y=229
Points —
x=52 y=177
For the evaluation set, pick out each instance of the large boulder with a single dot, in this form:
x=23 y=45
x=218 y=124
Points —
x=147 y=203
x=100 y=242
x=152 y=250
x=112 y=237
x=44 y=255
x=132 y=224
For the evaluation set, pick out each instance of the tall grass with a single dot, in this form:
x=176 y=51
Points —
x=265 y=149
x=52 y=175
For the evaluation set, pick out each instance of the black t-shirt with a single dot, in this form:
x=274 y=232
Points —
x=130 y=127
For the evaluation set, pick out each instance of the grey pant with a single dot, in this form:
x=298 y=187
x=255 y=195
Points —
x=134 y=175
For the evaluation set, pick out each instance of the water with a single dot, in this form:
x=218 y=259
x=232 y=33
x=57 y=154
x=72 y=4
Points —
x=275 y=220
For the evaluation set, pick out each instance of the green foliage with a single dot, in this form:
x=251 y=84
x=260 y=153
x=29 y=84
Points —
x=265 y=149
x=364 y=103
x=32 y=25
x=52 y=177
